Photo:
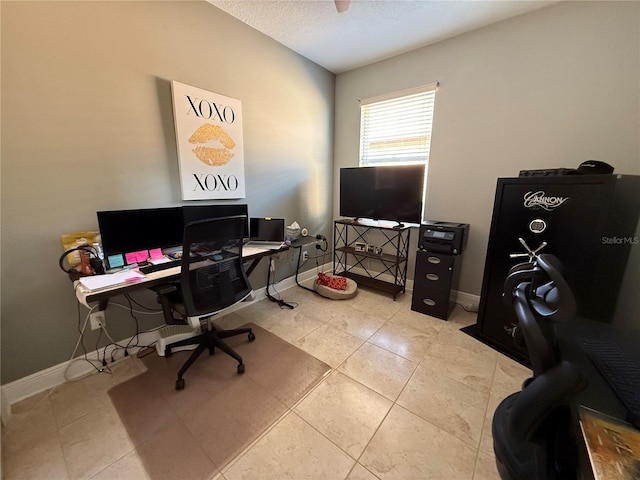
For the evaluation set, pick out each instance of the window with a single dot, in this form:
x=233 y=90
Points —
x=396 y=128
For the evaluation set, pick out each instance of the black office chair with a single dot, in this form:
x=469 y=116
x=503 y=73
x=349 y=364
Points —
x=532 y=436
x=212 y=279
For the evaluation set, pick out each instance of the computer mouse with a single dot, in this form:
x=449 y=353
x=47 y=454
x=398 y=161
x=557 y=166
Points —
x=217 y=257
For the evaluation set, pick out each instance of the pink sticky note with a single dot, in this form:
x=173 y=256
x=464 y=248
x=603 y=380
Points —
x=142 y=256
x=131 y=257
x=155 y=253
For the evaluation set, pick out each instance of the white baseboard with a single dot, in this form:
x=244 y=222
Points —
x=58 y=374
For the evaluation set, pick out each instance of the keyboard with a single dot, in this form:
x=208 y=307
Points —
x=622 y=374
x=159 y=267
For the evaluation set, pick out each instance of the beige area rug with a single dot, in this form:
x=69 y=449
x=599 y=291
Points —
x=195 y=432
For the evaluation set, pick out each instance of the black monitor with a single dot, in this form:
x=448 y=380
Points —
x=125 y=231
x=201 y=212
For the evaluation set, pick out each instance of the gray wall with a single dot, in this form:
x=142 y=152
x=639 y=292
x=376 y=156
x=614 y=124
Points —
x=88 y=126
x=551 y=88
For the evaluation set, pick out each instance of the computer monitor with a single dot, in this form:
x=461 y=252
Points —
x=126 y=231
x=201 y=212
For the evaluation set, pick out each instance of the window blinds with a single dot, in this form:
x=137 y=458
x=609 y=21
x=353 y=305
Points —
x=396 y=128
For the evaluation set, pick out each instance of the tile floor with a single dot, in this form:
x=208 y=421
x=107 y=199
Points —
x=408 y=397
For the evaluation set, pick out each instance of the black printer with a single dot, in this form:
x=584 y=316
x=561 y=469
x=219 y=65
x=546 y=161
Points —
x=444 y=237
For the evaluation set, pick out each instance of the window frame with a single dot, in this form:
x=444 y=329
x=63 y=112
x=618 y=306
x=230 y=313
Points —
x=389 y=104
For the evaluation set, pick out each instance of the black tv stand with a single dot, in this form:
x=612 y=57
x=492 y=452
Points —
x=351 y=262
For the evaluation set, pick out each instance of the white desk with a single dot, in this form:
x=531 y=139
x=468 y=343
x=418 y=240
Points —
x=101 y=296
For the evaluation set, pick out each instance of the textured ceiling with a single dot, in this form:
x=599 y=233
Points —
x=370 y=30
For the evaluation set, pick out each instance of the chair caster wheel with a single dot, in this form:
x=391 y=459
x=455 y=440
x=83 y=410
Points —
x=241 y=368
x=252 y=337
x=180 y=384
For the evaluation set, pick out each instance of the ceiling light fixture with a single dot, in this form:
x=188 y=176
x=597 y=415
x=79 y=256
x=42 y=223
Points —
x=342 y=5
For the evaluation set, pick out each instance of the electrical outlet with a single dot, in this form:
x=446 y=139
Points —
x=97 y=320
x=305 y=256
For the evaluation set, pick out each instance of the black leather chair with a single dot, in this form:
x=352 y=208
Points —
x=212 y=279
x=532 y=434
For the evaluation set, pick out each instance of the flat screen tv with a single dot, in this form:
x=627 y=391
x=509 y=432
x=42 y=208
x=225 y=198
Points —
x=391 y=193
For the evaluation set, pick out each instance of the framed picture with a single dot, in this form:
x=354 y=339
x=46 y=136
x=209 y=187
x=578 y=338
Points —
x=209 y=141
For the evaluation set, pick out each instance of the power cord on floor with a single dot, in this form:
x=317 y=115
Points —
x=298 y=264
x=472 y=309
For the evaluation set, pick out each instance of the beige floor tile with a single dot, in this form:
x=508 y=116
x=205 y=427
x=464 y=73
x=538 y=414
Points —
x=377 y=303
x=430 y=326
x=259 y=312
x=509 y=376
x=486 y=441
x=314 y=305
x=453 y=336
x=40 y=461
x=129 y=467
x=230 y=321
x=329 y=344
x=408 y=447
x=175 y=454
x=459 y=318
x=291 y=450
x=466 y=366
x=32 y=421
x=354 y=322
x=235 y=421
x=380 y=370
x=360 y=473
x=97 y=384
x=345 y=411
x=69 y=402
x=289 y=324
x=450 y=405
x=486 y=468
x=141 y=407
x=375 y=343
x=404 y=341
x=93 y=442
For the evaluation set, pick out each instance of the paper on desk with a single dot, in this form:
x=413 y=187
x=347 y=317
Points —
x=158 y=261
x=95 y=282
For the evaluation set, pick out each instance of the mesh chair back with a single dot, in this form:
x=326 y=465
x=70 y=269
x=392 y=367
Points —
x=212 y=275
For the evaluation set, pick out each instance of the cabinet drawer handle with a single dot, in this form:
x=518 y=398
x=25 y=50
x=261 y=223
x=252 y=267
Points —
x=432 y=276
x=435 y=260
x=428 y=301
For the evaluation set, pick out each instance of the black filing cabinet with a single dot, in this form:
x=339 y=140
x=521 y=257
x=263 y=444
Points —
x=438 y=267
